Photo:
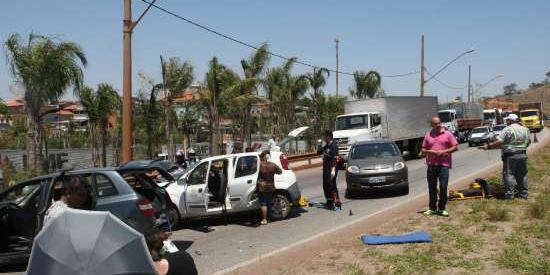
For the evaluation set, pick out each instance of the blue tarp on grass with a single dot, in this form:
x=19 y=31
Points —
x=415 y=237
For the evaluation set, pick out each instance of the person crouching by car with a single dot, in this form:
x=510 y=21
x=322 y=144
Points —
x=266 y=183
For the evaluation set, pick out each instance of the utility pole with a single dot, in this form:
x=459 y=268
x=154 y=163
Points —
x=127 y=28
x=337 y=41
x=127 y=83
x=469 y=83
x=422 y=82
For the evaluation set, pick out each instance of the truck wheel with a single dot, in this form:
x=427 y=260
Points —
x=280 y=207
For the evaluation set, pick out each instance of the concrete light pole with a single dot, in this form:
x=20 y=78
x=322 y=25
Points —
x=127 y=29
x=337 y=41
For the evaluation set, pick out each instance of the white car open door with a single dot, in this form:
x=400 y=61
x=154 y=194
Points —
x=244 y=180
x=196 y=196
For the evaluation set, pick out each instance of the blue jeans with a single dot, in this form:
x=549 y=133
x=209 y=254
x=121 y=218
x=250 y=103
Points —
x=514 y=168
x=435 y=173
x=265 y=198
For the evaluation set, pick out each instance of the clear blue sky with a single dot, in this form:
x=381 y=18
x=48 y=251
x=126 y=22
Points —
x=511 y=37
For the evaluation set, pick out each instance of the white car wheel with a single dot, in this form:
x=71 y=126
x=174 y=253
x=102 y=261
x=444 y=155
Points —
x=280 y=207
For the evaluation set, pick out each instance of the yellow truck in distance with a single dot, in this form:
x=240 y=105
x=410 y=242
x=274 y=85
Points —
x=531 y=116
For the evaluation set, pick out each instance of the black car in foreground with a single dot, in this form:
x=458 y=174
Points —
x=23 y=207
x=376 y=164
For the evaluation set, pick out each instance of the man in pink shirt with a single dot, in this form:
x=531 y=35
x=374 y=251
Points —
x=438 y=146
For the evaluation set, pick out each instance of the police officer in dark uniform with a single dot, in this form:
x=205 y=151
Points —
x=330 y=157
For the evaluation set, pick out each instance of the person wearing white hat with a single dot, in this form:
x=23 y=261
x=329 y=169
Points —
x=514 y=141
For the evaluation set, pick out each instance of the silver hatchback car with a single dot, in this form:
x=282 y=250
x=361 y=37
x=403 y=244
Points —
x=376 y=164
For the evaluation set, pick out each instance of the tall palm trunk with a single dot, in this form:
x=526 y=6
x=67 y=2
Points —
x=34 y=143
x=171 y=150
x=104 y=145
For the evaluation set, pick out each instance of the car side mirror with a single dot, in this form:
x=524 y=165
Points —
x=406 y=154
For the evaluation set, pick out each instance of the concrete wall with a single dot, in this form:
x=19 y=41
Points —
x=58 y=158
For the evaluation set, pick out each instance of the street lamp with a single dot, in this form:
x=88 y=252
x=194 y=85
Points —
x=480 y=86
x=448 y=64
x=423 y=68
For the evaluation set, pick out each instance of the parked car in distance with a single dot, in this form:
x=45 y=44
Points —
x=23 y=207
x=480 y=135
x=376 y=164
x=497 y=130
x=227 y=184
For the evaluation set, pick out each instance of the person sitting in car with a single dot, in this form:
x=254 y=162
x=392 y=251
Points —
x=74 y=195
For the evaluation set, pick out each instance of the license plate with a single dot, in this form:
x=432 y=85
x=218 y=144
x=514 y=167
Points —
x=377 y=179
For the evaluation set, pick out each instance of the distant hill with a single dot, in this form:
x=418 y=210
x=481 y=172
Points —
x=533 y=95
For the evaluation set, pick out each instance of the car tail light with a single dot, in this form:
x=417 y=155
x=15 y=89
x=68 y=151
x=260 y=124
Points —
x=146 y=207
x=284 y=162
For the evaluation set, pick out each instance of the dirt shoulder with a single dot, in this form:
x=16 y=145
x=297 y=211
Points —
x=482 y=236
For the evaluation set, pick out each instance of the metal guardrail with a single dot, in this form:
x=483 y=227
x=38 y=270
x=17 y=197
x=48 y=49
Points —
x=307 y=156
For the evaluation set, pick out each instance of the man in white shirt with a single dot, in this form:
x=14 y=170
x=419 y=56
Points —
x=272 y=143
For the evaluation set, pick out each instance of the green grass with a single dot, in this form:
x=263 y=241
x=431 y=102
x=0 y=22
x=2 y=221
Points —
x=450 y=234
x=415 y=261
x=498 y=213
x=519 y=256
x=540 y=208
x=353 y=269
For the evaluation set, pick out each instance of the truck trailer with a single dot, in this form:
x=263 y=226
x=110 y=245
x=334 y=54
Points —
x=403 y=119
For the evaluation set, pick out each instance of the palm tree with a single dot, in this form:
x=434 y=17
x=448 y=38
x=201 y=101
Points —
x=101 y=105
x=276 y=87
x=46 y=69
x=189 y=121
x=317 y=80
x=253 y=68
x=214 y=98
x=365 y=84
x=176 y=77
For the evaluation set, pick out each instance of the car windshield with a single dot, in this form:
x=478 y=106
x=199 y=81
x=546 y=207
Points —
x=445 y=116
x=352 y=122
x=528 y=113
x=499 y=127
x=377 y=150
x=19 y=193
x=480 y=130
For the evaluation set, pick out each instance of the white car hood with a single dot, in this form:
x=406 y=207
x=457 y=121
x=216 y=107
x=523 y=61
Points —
x=478 y=135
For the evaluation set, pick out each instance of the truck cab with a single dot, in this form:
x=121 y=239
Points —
x=492 y=117
x=351 y=128
x=449 y=120
x=531 y=119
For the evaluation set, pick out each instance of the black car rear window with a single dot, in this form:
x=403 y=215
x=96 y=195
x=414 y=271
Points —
x=374 y=150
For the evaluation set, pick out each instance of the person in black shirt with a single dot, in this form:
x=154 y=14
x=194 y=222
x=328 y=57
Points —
x=330 y=157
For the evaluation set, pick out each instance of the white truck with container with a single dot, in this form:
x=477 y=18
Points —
x=460 y=117
x=403 y=119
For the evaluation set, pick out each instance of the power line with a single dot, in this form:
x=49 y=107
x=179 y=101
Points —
x=441 y=82
x=242 y=43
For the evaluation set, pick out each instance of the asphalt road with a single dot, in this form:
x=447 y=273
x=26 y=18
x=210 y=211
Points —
x=216 y=247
